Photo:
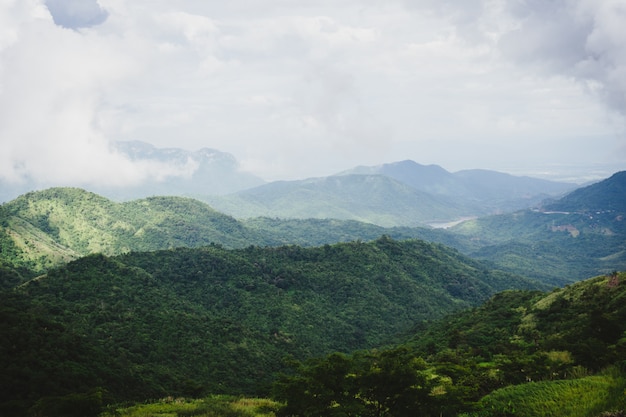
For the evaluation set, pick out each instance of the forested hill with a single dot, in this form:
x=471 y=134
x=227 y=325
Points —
x=47 y=228
x=607 y=195
x=522 y=354
x=212 y=320
x=581 y=235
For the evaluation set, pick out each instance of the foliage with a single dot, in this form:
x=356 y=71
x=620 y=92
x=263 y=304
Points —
x=516 y=355
x=188 y=322
x=213 y=406
x=387 y=383
x=584 y=397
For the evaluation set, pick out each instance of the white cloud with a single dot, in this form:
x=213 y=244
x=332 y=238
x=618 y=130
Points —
x=306 y=88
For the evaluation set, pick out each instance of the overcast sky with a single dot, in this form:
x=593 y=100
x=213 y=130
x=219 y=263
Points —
x=303 y=88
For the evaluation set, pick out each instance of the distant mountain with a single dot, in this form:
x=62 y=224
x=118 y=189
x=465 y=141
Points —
x=185 y=173
x=375 y=199
x=398 y=194
x=490 y=191
x=208 y=171
x=581 y=234
x=609 y=194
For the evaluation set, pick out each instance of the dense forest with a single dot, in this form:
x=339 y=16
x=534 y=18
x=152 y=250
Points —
x=164 y=306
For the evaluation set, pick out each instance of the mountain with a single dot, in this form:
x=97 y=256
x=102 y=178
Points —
x=581 y=234
x=182 y=173
x=375 y=199
x=522 y=353
x=398 y=194
x=606 y=195
x=46 y=228
x=215 y=320
x=201 y=172
x=489 y=191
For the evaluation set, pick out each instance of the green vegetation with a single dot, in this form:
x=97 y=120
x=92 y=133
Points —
x=188 y=322
x=583 y=397
x=555 y=248
x=213 y=406
x=182 y=303
x=48 y=228
x=520 y=354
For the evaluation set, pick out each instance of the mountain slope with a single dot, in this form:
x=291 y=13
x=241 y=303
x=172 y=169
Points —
x=484 y=191
x=609 y=194
x=522 y=353
x=582 y=234
x=50 y=227
x=194 y=321
x=373 y=199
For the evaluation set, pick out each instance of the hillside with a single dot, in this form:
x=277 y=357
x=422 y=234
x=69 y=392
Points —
x=213 y=320
x=582 y=234
x=522 y=353
x=43 y=229
x=180 y=173
x=375 y=199
x=484 y=191
x=47 y=228
x=606 y=195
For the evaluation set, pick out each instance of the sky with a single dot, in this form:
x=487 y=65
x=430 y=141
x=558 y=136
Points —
x=304 y=88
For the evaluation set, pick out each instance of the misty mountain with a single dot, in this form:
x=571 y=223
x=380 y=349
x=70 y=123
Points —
x=397 y=194
x=205 y=171
x=489 y=191
x=609 y=194
x=375 y=199
x=582 y=234
x=179 y=173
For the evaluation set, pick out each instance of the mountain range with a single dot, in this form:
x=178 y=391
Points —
x=47 y=228
x=106 y=301
x=397 y=194
x=403 y=193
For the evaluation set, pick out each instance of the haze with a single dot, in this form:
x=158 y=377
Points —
x=297 y=89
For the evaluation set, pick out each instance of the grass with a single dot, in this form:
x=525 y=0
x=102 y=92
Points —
x=584 y=397
x=213 y=406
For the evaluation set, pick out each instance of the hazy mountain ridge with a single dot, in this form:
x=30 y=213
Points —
x=493 y=190
x=399 y=194
x=205 y=171
x=177 y=172
x=375 y=199
x=47 y=228
x=582 y=234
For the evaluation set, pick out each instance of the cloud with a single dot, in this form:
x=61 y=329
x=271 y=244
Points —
x=76 y=14
x=54 y=82
x=305 y=88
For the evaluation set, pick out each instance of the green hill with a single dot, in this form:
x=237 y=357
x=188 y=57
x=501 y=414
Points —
x=216 y=320
x=375 y=199
x=527 y=354
x=43 y=229
x=48 y=228
x=583 y=234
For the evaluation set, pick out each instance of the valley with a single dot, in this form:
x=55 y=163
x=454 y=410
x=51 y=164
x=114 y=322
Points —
x=106 y=302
